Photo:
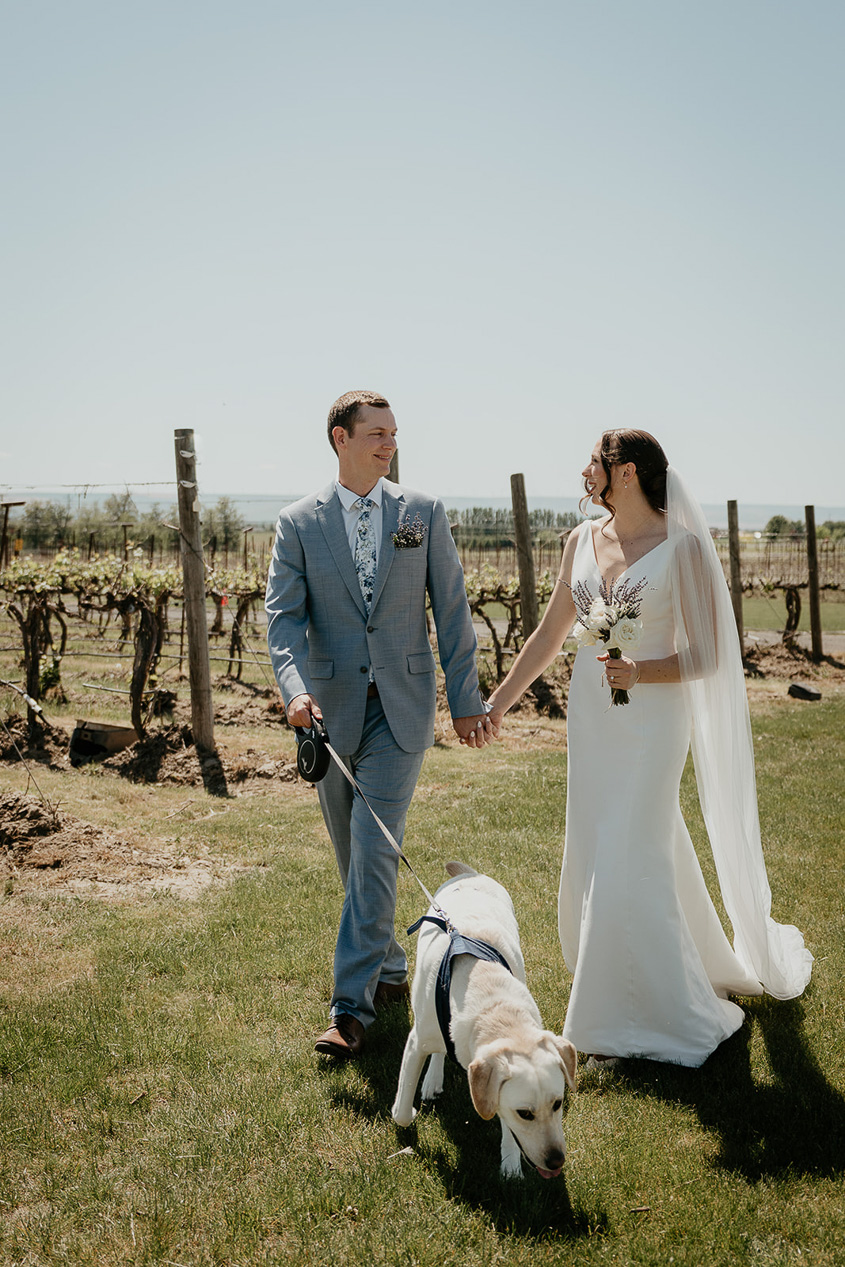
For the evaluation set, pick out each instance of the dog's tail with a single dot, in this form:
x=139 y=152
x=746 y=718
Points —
x=459 y=868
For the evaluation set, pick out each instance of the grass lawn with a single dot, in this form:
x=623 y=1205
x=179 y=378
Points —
x=161 y=1102
x=763 y=611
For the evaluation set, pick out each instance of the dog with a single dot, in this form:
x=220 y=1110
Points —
x=515 y=1068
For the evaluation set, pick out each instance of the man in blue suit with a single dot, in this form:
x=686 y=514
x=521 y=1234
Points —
x=348 y=637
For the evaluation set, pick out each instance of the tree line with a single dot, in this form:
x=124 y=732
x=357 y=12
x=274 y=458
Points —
x=51 y=525
x=480 y=526
x=781 y=526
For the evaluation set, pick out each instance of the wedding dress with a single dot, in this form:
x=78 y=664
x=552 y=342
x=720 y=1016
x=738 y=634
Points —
x=652 y=966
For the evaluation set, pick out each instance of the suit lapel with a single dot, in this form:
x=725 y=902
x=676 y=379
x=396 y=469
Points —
x=330 y=518
x=392 y=507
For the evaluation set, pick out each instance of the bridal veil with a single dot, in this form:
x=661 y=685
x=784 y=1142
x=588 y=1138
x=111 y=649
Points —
x=714 y=685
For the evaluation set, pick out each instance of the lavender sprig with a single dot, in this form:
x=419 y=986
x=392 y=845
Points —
x=409 y=536
x=612 y=618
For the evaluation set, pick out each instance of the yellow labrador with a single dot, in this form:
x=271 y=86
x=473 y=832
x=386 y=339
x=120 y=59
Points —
x=516 y=1069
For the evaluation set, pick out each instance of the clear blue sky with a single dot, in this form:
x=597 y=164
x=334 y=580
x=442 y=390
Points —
x=522 y=222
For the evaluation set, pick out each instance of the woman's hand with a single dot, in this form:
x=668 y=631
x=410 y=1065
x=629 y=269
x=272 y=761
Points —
x=496 y=716
x=621 y=674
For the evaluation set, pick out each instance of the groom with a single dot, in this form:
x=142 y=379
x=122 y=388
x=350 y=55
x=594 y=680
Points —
x=346 y=611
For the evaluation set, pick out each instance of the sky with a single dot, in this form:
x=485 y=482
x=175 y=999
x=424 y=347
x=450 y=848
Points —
x=523 y=223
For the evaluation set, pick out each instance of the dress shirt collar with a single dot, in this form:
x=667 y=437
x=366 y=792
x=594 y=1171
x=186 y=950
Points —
x=348 y=498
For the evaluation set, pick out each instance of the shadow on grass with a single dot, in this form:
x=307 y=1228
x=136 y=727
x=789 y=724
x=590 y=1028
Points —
x=469 y=1172
x=795 y=1124
x=468 y=1166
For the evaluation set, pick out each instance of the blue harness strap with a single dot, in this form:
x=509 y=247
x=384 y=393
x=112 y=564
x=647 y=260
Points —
x=458 y=945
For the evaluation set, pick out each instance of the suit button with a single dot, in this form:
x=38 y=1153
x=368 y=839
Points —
x=370 y=629
x=363 y=668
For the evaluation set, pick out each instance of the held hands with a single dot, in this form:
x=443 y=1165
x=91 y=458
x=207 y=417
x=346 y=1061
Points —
x=476 y=731
x=621 y=674
x=496 y=717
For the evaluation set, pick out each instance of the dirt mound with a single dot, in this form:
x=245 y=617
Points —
x=48 y=745
x=170 y=756
x=42 y=846
x=249 y=705
x=784 y=661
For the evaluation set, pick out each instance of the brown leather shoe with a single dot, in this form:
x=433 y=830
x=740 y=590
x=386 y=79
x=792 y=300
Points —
x=387 y=993
x=344 y=1038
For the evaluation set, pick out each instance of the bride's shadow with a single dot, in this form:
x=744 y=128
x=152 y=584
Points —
x=794 y=1123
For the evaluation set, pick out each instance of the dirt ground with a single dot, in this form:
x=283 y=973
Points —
x=44 y=848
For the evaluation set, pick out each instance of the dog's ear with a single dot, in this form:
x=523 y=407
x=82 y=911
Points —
x=486 y=1075
x=567 y=1056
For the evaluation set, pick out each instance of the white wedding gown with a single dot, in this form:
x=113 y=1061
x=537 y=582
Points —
x=651 y=964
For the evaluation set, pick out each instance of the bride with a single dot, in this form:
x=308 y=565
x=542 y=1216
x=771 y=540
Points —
x=652 y=967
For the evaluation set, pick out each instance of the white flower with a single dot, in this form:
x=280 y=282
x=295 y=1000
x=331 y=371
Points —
x=584 y=636
x=600 y=617
x=626 y=634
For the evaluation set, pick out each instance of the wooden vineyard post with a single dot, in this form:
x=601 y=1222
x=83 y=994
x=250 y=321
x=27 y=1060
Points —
x=4 y=538
x=193 y=573
x=736 y=575
x=393 y=470
x=813 y=571
x=525 y=558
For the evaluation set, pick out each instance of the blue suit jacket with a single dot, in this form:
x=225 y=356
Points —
x=322 y=642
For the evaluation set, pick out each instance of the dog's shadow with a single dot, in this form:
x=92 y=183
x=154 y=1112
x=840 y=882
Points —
x=468 y=1168
x=796 y=1123
x=467 y=1164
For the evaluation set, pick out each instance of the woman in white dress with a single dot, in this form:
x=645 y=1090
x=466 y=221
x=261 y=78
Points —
x=652 y=967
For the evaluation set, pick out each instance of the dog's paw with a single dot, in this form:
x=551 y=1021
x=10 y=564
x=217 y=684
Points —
x=400 y=1118
x=432 y=1085
x=511 y=1167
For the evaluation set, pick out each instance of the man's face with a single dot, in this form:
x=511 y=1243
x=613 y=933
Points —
x=365 y=455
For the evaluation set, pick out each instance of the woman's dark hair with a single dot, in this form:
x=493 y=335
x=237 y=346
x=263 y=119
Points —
x=640 y=448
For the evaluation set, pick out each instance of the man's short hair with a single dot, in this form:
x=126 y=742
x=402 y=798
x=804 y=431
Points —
x=344 y=411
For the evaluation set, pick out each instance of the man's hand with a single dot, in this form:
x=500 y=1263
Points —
x=301 y=709
x=476 y=731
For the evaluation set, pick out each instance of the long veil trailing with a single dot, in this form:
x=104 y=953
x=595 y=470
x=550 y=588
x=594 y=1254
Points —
x=711 y=672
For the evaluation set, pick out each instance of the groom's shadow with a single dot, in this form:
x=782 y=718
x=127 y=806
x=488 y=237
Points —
x=794 y=1123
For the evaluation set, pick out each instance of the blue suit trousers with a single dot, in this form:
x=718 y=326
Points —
x=367 y=951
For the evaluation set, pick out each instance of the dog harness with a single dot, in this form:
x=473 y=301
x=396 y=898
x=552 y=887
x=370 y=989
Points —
x=458 y=945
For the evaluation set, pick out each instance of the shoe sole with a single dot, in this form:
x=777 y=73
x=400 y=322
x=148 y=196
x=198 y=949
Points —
x=328 y=1049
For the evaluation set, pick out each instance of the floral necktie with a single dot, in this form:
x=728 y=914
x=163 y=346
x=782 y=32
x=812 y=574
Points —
x=365 y=549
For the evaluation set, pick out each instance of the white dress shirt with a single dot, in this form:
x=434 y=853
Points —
x=352 y=514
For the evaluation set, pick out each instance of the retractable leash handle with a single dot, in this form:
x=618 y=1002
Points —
x=312 y=753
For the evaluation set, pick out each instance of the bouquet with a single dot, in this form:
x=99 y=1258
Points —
x=613 y=618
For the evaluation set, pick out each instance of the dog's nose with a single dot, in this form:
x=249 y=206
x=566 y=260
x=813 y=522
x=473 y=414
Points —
x=555 y=1158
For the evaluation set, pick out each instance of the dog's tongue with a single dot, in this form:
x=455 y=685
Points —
x=549 y=1174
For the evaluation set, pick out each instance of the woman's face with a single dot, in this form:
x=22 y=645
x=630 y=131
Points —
x=596 y=477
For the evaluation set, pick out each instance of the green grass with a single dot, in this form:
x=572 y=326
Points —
x=160 y=1101
x=763 y=611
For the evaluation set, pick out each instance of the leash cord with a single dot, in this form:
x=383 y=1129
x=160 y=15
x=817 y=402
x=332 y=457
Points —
x=387 y=834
